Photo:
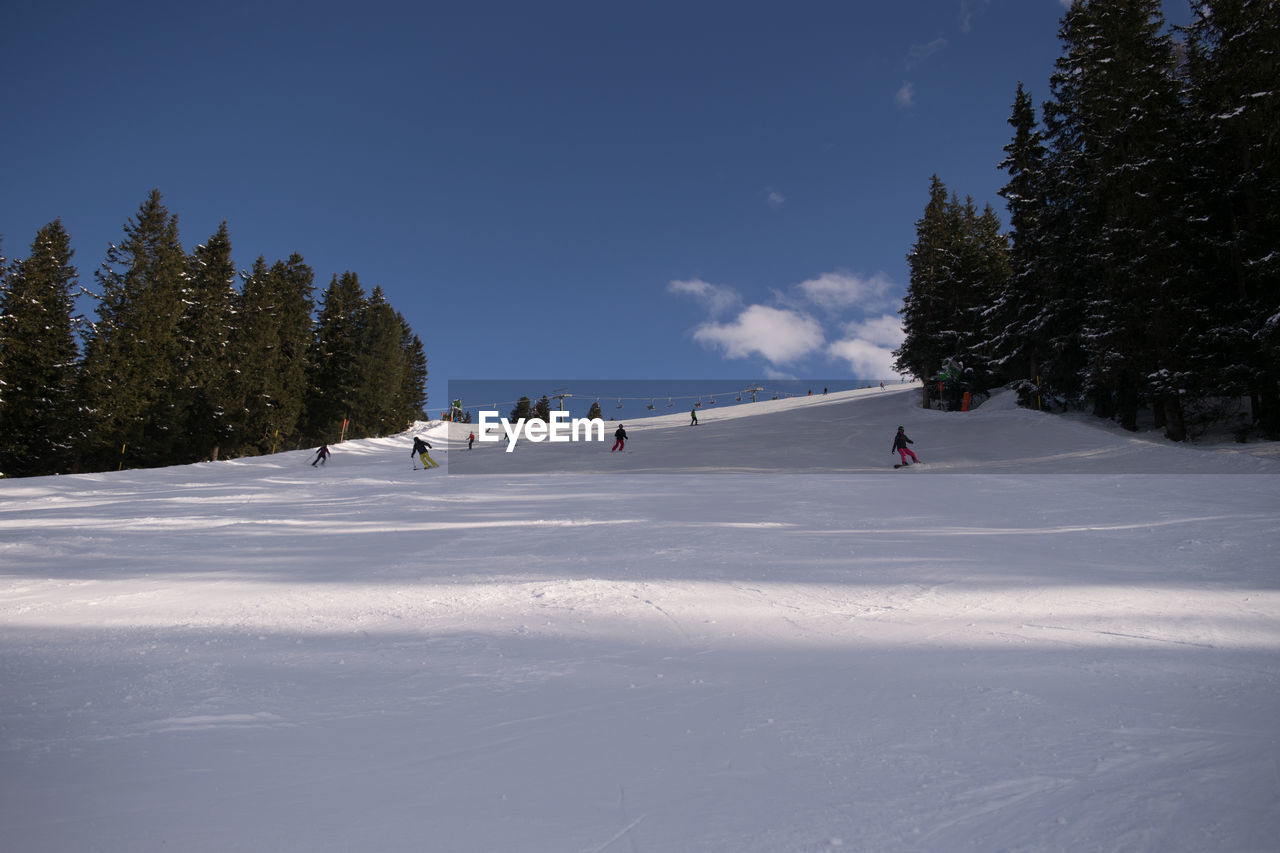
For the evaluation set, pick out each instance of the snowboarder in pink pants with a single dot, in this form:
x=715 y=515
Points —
x=900 y=442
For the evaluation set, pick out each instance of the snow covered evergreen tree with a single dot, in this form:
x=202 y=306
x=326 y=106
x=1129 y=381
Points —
x=986 y=272
x=131 y=380
x=380 y=367
x=1112 y=128
x=179 y=366
x=928 y=311
x=1027 y=318
x=958 y=263
x=1234 y=153
x=205 y=331
x=270 y=341
x=333 y=372
x=411 y=398
x=542 y=409
x=38 y=358
x=523 y=409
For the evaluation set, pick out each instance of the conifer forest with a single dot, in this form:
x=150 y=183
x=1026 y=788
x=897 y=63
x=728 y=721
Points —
x=1140 y=274
x=180 y=365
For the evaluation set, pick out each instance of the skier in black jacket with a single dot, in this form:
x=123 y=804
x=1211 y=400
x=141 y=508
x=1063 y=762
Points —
x=420 y=449
x=621 y=436
x=900 y=442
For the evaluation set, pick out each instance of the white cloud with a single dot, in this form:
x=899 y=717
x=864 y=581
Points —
x=885 y=330
x=835 y=291
x=802 y=321
x=971 y=8
x=868 y=346
x=906 y=95
x=920 y=52
x=717 y=298
x=775 y=198
x=779 y=335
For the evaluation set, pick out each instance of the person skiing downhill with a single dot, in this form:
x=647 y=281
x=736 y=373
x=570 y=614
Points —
x=900 y=442
x=621 y=436
x=321 y=455
x=420 y=449
x=693 y=413
x=471 y=440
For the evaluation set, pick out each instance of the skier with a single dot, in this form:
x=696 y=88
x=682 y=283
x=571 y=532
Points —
x=693 y=413
x=321 y=455
x=900 y=442
x=471 y=439
x=420 y=449
x=621 y=436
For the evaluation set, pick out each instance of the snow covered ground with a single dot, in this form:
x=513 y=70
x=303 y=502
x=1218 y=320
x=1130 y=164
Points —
x=1074 y=647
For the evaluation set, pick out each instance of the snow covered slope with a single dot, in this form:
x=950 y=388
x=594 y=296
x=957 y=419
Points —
x=262 y=655
x=853 y=431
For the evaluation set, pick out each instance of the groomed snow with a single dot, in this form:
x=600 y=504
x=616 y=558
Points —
x=777 y=644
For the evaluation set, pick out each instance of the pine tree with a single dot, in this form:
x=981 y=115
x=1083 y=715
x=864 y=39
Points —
x=295 y=307
x=958 y=264
x=333 y=371
x=542 y=409
x=523 y=409
x=1022 y=326
x=270 y=350
x=594 y=411
x=411 y=398
x=1234 y=153
x=1112 y=125
x=255 y=352
x=38 y=358
x=206 y=363
x=131 y=382
x=985 y=270
x=380 y=369
x=927 y=310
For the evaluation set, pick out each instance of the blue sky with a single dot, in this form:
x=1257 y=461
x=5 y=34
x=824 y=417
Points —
x=595 y=189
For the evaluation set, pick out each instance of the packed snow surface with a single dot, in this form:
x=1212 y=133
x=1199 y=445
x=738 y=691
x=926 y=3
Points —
x=749 y=635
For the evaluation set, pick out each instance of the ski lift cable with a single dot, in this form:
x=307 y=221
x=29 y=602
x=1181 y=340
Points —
x=737 y=395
